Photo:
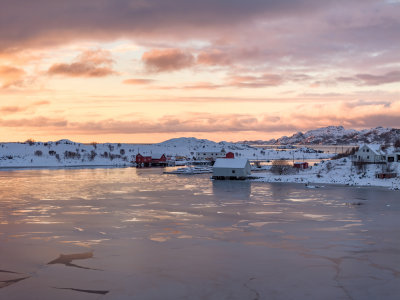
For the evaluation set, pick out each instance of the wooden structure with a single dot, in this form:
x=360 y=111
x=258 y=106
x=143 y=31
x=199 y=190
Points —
x=384 y=175
x=230 y=155
x=158 y=160
x=143 y=161
x=231 y=168
x=369 y=154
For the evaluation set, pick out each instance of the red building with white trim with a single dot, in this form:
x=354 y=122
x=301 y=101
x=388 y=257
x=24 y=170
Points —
x=230 y=155
x=158 y=160
x=301 y=165
x=143 y=161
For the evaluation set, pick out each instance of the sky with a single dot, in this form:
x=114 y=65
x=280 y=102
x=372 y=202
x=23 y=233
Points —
x=143 y=71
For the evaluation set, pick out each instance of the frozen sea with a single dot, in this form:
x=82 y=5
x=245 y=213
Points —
x=126 y=233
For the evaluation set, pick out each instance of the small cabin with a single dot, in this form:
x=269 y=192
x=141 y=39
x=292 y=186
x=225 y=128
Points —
x=300 y=165
x=231 y=168
x=230 y=155
x=212 y=156
x=385 y=175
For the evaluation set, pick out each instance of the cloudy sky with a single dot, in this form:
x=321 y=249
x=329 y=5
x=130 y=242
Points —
x=149 y=70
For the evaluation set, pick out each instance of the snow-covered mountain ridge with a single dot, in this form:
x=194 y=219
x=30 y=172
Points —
x=336 y=135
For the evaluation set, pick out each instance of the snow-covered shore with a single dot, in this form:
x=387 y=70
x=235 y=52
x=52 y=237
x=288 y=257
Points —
x=65 y=153
x=339 y=171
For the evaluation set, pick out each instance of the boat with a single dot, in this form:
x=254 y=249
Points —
x=190 y=170
x=307 y=185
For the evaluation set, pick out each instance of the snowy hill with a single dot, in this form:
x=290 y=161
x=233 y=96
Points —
x=337 y=135
x=65 y=153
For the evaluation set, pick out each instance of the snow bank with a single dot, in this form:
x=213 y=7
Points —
x=339 y=171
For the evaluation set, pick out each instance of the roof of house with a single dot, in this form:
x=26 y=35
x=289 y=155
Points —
x=391 y=151
x=376 y=148
x=144 y=155
x=230 y=163
x=156 y=155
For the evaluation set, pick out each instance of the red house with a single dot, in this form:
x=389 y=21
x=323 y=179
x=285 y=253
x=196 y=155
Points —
x=301 y=165
x=144 y=161
x=230 y=155
x=158 y=160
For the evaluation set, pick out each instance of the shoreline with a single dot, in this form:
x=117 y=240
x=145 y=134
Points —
x=393 y=184
x=11 y=168
x=313 y=184
x=322 y=184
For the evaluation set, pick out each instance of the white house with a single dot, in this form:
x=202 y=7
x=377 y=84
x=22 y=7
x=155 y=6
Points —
x=210 y=155
x=369 y=153
x=231 y=168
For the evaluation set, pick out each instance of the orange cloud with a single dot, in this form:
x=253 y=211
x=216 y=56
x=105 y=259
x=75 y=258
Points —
x=16 y=109
x=138 y=81
x=167 y=60
x=41 y=122
x=203 y=85
x=11 y=109
x=11 y=76
x=213 y=57
x=44 y=102
x=209 y=123
x=91 y=63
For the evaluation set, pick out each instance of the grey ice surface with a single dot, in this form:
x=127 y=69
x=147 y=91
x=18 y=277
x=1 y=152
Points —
x=138 y=234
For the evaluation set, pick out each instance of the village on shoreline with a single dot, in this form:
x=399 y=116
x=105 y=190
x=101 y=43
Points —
x=365 y=165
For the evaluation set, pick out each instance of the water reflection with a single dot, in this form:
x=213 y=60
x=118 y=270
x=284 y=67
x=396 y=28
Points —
x=227 y=190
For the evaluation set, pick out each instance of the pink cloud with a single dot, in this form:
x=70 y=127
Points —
x=163 y=60
x=91 y=63
x=368 y=79
x=214 y=57
x=251 y=81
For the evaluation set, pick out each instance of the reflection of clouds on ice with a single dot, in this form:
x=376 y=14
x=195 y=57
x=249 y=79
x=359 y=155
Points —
x=209 y=242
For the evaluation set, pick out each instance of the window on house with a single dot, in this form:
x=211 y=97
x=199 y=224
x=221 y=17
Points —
x=367 y=150
x=233 y=171
x=368 y=157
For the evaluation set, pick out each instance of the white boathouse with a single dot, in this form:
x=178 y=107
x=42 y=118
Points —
x=231 y=168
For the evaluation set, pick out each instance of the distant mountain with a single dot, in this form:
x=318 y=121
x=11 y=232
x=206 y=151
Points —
x=336 y=135
x=194 y=144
